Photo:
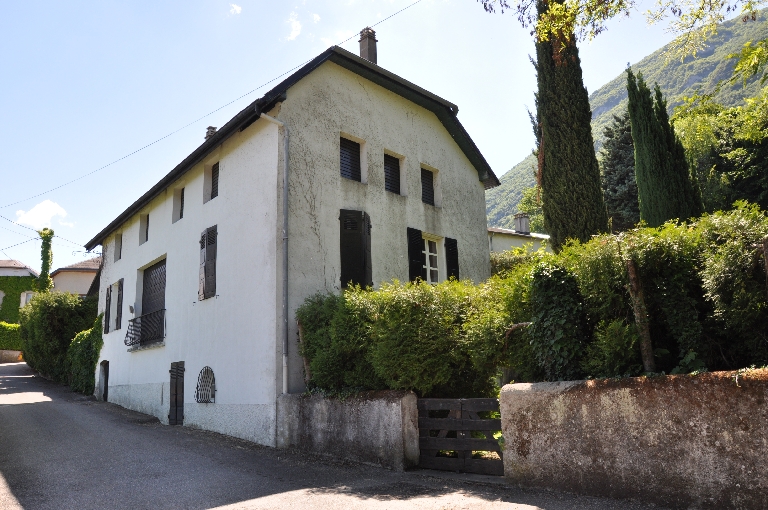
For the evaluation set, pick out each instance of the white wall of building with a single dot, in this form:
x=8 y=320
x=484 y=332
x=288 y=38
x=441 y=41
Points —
x=233 y=333
x=329 y=103
x=74 y=282
x=503 y=241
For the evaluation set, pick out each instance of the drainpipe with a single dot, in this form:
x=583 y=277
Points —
x=285 y=248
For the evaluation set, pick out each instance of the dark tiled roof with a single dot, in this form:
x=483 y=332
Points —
x=444 y=110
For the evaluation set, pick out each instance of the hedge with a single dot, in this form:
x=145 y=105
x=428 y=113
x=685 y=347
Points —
x=9 y=337
x=12 y=287
x=705 y=293
x=48 y=324
x=82 y=357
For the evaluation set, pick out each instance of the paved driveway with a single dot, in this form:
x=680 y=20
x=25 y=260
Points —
x=61 y=450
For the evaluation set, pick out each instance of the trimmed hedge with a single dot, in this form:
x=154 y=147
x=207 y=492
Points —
x=10 y=339
x=82 y=357
x=704 y=287
x=48 y=324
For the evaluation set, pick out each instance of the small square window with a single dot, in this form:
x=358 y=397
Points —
x=349 y=163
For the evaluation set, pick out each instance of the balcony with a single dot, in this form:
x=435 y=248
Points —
x=146 y=329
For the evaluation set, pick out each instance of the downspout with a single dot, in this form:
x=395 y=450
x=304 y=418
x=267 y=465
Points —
x=285 y=248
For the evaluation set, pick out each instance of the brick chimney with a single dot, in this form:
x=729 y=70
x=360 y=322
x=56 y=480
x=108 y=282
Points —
x=210 y=132
x=368 y=44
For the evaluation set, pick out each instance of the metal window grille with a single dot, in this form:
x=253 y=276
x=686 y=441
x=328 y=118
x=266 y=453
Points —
x=205 y=393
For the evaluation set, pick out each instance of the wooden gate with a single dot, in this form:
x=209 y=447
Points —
x=453 y=436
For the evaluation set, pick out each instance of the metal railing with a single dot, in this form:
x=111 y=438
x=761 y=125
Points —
x=146 y=329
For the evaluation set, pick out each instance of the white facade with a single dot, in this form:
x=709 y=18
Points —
x=239 y=332
x=501 y=239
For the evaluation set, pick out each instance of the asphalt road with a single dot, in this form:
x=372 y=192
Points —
x=61 y=450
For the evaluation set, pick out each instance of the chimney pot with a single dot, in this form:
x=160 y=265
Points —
x=209 y=132
x=522 y=223
x=368 y=44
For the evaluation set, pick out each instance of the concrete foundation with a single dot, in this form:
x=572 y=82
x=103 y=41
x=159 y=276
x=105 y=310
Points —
x=379 y=428
x=11 y=356
x=682 y=441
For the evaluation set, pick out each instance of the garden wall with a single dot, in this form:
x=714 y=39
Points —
x=377 y=427
x=682 y=441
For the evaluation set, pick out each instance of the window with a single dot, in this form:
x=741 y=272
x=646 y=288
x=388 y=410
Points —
x=143 y=228
x=118 y=247
x=355 y=248
x=178 y=205
x=427 y=253
x=208 y=247
x=211 y=182
x=350 y=160
x=427 y=186
x=391 y=174
x=113 y=310
x=26 y=297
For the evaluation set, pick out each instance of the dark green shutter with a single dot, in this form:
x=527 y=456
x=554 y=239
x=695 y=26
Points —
x=391 y=174
x=427 y=187
x=206 y=287
x=452 y=257
x=349 y=161
x=119 y=315
x=107 y=307
x=355 y=248
x=416 y=258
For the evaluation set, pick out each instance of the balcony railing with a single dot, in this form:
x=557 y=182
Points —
x=146 y=329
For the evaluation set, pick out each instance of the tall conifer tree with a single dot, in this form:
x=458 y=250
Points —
x=665 y=188
x=572 y=199
x=617 y=169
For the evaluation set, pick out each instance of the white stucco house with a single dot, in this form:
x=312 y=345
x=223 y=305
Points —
x=344 y=172
x=76 y=278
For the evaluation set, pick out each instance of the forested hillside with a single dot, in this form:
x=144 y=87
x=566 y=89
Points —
x=676 y=79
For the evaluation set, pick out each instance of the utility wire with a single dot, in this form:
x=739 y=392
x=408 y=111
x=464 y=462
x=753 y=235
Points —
x=17 y=244
x=196 y=120
x=35 y=231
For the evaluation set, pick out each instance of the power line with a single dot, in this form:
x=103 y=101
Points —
x=35 y=231
x=17 y=244
x=198 y=119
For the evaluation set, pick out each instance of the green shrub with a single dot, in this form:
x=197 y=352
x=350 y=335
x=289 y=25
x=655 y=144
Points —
x=559 y=330
x=614 y=352
x=82 y=357
x=12 y=287
x=506 y=261
x=9 y=337
x=48 y=324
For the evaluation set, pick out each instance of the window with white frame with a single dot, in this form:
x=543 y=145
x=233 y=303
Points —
x=430 y=259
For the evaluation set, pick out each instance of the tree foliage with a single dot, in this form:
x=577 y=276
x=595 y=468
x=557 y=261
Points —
x=617 y=169
x=44 y=281
x=82 y=357
x=665 y=188
x=570 y=176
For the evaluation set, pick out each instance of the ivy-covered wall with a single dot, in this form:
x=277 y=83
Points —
x=12 y=287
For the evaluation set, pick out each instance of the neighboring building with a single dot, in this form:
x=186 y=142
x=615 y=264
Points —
x=16 y=283
x=76 y=278
x=203 y=273
x=502 y=239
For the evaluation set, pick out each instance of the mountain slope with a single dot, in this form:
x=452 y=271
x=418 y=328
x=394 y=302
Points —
x=677 y=79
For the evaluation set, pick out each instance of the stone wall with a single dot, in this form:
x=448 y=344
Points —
x=378 y=428
x=682 y=441
x=11 y=356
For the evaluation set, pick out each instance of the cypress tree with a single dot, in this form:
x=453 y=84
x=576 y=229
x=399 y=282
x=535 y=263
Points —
x=665 y=188
x=617 y=168
x=569 y=174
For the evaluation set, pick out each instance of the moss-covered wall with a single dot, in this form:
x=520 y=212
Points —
x=12 y=287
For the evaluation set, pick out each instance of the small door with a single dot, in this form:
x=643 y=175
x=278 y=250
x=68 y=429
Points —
x=105 y=380
x=176 y=411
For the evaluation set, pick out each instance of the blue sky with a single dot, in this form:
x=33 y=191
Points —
x=85 y=83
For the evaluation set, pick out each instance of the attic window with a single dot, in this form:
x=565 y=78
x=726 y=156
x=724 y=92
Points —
x=211 y=182
x=143 y=228
x=118 y=247
x=392 y=174
x=350 y=160
x=178 y=205
x=427 y=187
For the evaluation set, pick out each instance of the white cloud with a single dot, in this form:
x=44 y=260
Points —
x=295 y=26
x=236 y=9
x=40 y=216
x=315 y=18
x=66 y=224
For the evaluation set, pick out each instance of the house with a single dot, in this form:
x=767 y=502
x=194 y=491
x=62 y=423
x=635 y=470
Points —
x=76 y=278
x=344 y=172
x=502 y=239
x=16 y=279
